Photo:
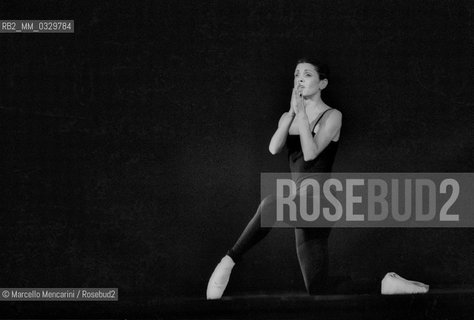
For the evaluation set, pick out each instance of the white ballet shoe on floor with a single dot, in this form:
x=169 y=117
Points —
x=392 y=283
x=219 y=278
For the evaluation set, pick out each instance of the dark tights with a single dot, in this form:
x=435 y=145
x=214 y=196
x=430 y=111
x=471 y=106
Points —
x=311 y=247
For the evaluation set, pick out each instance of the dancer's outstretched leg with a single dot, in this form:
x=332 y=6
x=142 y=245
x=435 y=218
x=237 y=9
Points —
x=251 y=235
x=312 y=251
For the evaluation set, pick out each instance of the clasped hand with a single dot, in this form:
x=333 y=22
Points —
x=297 y=105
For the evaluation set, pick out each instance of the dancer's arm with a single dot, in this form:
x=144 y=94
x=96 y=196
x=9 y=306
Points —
x=279 y=137
x=328 y=129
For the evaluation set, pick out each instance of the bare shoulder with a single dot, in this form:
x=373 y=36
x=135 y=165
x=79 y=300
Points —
x=335 y=113
x=334 y=116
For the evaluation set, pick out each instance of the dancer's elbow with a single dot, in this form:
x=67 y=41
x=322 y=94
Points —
x=310 y=156
x=273 y=150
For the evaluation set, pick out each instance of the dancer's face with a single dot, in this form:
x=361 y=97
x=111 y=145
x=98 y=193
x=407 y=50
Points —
x=307 y=80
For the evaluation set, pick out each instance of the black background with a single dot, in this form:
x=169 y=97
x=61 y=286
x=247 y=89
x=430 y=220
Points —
x=132 y=149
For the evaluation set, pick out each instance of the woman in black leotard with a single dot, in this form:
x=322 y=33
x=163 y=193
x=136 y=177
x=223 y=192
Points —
x=310 y=130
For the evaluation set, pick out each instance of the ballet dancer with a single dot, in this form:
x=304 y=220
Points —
x=310 y=130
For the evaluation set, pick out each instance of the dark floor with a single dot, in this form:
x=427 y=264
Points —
x=438 y=304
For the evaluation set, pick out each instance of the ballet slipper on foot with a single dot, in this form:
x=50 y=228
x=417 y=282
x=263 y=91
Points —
x=392 y=283
x=219 y=278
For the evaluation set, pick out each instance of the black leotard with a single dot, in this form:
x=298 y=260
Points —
x=322 y=163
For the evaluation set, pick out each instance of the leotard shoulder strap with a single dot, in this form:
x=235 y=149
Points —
x=319 y=118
